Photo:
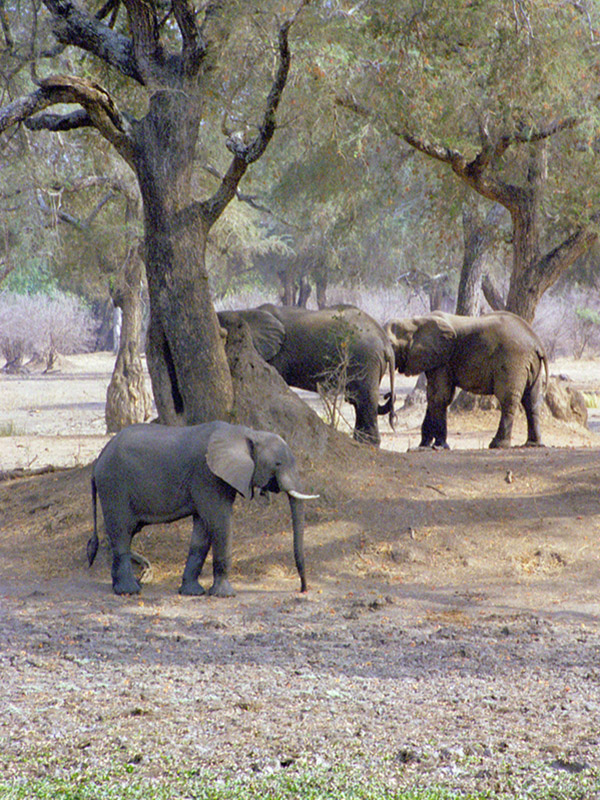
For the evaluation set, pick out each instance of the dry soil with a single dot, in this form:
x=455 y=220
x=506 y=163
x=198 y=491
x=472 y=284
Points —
x=451 y=633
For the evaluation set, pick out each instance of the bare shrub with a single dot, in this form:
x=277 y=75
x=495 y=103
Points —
x=569 y=323
x=17 y=331
x=40 y=327
x=248 y=298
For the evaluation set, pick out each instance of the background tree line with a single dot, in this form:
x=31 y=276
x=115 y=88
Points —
x=194 y=149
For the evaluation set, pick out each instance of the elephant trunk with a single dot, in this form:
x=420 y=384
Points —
x=297 y=511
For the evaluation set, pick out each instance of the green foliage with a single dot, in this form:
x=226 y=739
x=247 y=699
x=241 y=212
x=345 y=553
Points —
x=338 y=783
x=588 y=316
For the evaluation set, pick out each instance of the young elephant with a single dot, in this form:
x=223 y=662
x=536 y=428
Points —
x=496 y=353
x=151 y=473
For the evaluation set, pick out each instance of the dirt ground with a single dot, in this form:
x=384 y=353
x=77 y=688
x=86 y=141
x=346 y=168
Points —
x=451 y=633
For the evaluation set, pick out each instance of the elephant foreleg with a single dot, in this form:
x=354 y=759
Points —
x=427 y=430
x=199 y=547
x=221 y=549
x=440 y=391
x=434 y=430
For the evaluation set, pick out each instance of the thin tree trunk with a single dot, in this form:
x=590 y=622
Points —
x=127 y=399
x=478 y=238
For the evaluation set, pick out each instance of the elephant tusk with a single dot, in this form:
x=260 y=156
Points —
x=298 y=496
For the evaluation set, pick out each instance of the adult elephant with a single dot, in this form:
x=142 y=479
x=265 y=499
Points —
x=153 y=473
x=323 y=348
x=496 y=353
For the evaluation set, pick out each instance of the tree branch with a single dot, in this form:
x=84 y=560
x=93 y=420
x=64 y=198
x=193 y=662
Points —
x=246 y=154
x=472 y=172
x=72 y=25
x=145 y=33
x=60 y=122
x=22 y=108
x=98 y=107
x=194 y=46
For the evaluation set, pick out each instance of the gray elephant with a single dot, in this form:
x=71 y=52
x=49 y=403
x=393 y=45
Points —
x=312 y=348
x=152 y=473
x=496 y=353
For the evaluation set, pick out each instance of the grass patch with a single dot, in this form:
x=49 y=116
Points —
x=9 y=429
x=592 y=399
x=334 y=784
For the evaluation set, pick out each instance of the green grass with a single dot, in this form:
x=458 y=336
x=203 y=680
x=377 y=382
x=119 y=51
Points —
x=592 y=399
x=336 y=784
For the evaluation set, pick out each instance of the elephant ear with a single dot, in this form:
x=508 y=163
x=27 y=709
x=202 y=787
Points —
x=229 y=457
x=431 y=344
x=267 y=331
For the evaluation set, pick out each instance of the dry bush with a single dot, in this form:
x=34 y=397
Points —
x=566 y=323
x=39 y=327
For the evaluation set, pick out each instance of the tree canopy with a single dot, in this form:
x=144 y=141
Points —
x=325 y=138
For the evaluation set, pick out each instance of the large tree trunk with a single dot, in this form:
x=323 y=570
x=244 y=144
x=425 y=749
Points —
x=185 y=352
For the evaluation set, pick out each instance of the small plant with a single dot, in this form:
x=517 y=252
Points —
x=588 y=325
x=333 y=382
x=592 y=399
x=9 y=429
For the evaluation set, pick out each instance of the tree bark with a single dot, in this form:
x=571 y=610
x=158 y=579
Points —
x=478 y=237
x=185 y=352
x=127 y=400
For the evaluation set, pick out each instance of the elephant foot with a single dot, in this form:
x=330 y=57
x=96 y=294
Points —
x=499 y=444
x=127 y=587
x=123 y=579
x=441 y=446
x=530 y=443
x=192 y=589
x=221 y=588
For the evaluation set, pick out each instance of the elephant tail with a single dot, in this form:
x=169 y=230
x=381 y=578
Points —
x=92 y=545
x=541 y=353
x=544 y=358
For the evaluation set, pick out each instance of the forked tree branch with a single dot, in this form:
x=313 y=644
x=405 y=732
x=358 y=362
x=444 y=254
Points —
x=473 y=172
x=98 y=107
x=245 y=154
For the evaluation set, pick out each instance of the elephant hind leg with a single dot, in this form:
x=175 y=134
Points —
x=120 y=530
x=532 y=402
x=365 y=402
x=508 y=408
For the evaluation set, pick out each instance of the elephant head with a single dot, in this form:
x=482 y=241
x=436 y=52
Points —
x=247 y=459
x=421 y=344
x=266 y=330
